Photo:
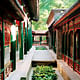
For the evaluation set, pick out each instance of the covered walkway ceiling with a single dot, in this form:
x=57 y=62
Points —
x=32 y=6
x=11 y=9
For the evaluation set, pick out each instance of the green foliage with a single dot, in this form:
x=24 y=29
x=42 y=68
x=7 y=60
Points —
x=41 y=48
x=44 y=38
x=45 y=8
x=44 y=73
x=23 y=78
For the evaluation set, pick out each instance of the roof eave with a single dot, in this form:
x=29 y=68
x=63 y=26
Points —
x=32 y=7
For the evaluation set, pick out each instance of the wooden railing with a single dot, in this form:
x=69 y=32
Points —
x=66 y=59
x=8 y=69
x=70 y=62
x=77 y=67
x=62 y=56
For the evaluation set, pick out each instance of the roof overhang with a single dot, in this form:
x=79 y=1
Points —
x=71 y=10
x=50 y=18
x=11 y=9
x=54 y=12
x=32 y=6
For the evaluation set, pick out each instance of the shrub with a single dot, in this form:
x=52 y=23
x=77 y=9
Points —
x=44 y=73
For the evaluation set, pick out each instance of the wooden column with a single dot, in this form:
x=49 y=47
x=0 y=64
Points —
x=33 y=39
x=17 y=40
x=40 y=39
x=21 y=45
x=73 y=44
x=55 y=41
x=25 y=52
x=64 y=42
x=3 y=51
x=30 y=36
x=52 y=39
x=13 y=46
x=68 y=43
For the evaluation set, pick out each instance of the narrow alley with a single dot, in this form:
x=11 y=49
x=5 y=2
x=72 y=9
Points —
x=40 y=40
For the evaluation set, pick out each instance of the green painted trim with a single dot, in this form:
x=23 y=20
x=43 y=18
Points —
x=21 y=48
x=17 y=41
x=6 y=46
x=13 y=54
x=54 y=41
x=25 y=52
x=28 y=38
x=31 y=36
x=40 y=39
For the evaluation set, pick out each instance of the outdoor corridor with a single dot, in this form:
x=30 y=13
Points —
x=40 y=40
x=24 y=67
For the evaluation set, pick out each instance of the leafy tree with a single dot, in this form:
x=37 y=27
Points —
x=45 y=8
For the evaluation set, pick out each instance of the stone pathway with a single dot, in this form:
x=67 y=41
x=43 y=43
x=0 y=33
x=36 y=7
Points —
x=22 y=67
x=44 y=55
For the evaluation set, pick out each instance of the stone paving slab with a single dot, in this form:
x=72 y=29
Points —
x=43 y=55
x=59 y=75
x=22 y=67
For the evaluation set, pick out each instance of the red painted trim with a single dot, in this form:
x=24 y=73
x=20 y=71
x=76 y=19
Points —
x=20 y=2
x=66 y=59
x=70 y=62
x=77 y=23
x=2 y=76
x=66 y=20
x=70 y=26
x=62 y=56
x=70 y=30
x=77 y=67
x=76 y=28
x=18 y=23
x=0 y=18
x=8 y=22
